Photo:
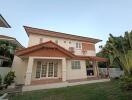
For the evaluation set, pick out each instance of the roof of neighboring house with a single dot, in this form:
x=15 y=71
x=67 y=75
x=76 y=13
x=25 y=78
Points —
x=12 y=40
x=3 y=22
x=31 y=30
x=53 y=45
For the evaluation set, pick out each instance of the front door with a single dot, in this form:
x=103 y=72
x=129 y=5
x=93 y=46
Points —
x=90 y=68
x=47 y=69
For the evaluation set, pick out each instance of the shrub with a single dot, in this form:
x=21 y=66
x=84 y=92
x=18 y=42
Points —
x=126 y=83
x=9 y=78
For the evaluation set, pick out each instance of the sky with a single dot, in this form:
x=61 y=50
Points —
x=90 y=18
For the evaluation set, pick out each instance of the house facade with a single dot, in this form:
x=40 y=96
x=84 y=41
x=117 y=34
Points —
x=55 y=57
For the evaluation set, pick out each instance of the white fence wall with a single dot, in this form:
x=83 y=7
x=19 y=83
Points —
x=4 y=70
x=113 y=72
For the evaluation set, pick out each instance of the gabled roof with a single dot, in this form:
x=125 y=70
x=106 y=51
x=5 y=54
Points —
x=48 y=44
x=31 y=30
x=53 y=45
x=3 y=22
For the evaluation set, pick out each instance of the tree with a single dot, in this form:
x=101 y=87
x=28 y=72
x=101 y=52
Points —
x=7 y=50
x=119 y=51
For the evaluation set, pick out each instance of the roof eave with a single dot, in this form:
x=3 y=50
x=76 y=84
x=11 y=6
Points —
x=4 y=22
x=28 y=31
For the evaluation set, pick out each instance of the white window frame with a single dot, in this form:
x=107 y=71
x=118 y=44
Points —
x=78 y=45
x=75 y=64
x=56 y=41
x=64 y=41
x=47 y=70
x=40 y=40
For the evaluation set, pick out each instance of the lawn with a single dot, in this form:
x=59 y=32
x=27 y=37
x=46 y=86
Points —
x=97 y=91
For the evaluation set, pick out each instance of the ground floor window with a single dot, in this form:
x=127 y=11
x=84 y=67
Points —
x=46 y=69
x=38 y=70
x=75 y=65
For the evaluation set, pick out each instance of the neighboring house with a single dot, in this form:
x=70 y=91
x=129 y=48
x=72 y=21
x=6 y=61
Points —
x=3 y=22
x=5 y=62
x=3 y=71
x=55 y=57
x=12 y=40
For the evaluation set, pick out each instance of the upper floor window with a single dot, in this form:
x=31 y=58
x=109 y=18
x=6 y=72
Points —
x=88 y=46
x=56 y=41
x=78 y=45
x=40 y=40
x=75 y=64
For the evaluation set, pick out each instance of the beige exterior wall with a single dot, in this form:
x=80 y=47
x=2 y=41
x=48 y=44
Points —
x=76 y=73
x=35 y=39
x=19 y=66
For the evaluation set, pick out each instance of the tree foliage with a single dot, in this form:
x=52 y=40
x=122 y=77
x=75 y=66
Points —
x=7 y=50
x=119 y=51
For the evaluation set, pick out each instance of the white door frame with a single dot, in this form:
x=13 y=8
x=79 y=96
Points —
x=47 y=70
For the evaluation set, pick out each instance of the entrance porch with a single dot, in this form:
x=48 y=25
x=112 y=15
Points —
x=43 y=70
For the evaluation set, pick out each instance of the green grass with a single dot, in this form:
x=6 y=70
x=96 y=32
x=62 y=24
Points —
x=97 y=91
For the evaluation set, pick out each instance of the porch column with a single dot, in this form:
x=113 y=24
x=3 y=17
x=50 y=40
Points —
x=29 y=71
x=96 y=69
x=64 y=70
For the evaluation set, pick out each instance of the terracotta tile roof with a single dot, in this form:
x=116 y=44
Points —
x=48 y=44
x=30 y=30
x=51 y=44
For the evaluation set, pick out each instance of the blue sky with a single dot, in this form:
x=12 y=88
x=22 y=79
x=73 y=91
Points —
x=91 y=18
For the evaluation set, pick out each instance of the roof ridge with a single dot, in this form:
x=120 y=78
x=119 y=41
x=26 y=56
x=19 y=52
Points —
x=28 y=30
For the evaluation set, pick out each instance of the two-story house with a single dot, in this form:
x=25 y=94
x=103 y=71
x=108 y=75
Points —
x=55 y=57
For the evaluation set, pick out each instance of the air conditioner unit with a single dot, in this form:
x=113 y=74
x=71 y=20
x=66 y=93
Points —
x=71 y=49
x=84 y=51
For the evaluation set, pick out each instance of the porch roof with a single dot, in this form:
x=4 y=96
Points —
x=92 y=58
x=51 y=49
